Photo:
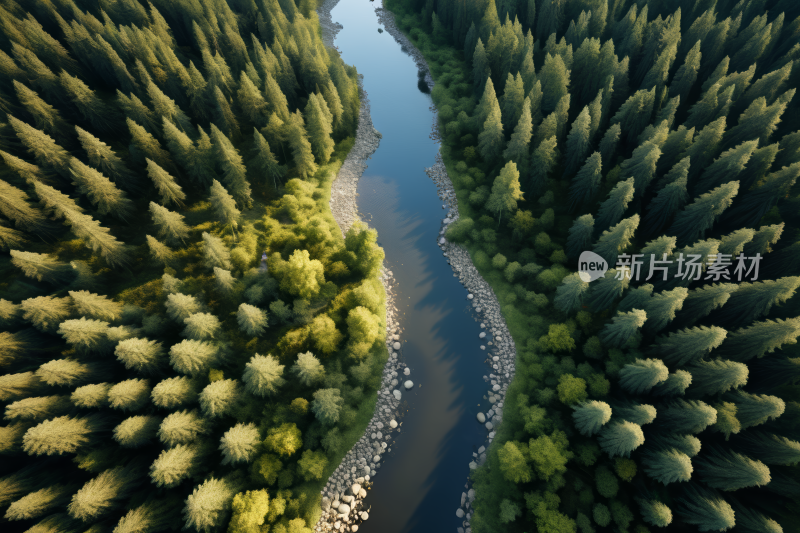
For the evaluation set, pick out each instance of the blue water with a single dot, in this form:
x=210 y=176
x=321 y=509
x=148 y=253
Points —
x=419 y=485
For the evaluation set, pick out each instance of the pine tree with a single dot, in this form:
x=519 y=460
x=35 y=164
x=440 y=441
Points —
x=129 y=395
x=181 y=306
x=170 y=224
x=752 y=521
x=208 y=507
x=308 y=369
x=733 y=243
x=137 y=431
x=580 y=235
x=754 y=300
x=38 y=408
x=667 y=466
x=654 y=512
x=761 y=199
x=513 y=97
x=505 y=191
x=640 y=414
x=251 y=100
x=623 y=326
x=193 y=357
x=160 y=252
x=756 y=409
x=233 y=167
x=264 y=161
x=46 y=117
x=682 y=416
x=577 y=142
x=570 y=294
x=38 y=503
x=667 y=202
x=101 y=191
x=59 y=435
x=616 y=239
x=41 y=267
x=45 y=313
x=251 y=319
x=220 y=397
x=586 y=183
x=607 y=290
x=15 y=386
x=48 y=154
x=763 y=239
x=327 y=405
x=642 y=375
x=201 y=326
x=103 y=493
x=491 y=139
x=145 y=146
x=319 y=128
x=701 y=301
x=95 y=305
x=225 y=282
x=165 y=184
x=685 y=77
x=705 y=509
x=262 y=375
x=590 y=417
x=240 y=444
x=301 y=147
x=769 y=448
x=760 y=339
x=716 y=376
x=619 y=439
x=612 y=209
x=519 y=145
x=177 y=464
x=542 y=161
x=174 y=392
x=85 y=334
x=141 y=355
x=215 y=253
x=93 y=109
x=608 y=144
x=727 y=470
x=684 y=346
x=636 y=298
x=182 y=427
x=555 y=78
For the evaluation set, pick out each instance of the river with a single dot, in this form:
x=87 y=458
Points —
x=420 y=481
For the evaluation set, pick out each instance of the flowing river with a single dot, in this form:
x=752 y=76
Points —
x=420 y=481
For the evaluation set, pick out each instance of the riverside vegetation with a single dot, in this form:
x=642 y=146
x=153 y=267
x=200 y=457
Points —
x=621 y=126
x=155 y=375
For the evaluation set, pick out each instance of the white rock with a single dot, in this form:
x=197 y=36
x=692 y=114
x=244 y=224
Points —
x=393 y=424
x=489 y=426
x=407 y=371
x=408 y=384
x=483 y=347
x=364 y=515
x=354 y=528
x=397 y=394
x=471 y=494
x=482 y=335
x=344 y=508
x=473 y=465
x=347 y=499
x=362 y=493
x=396 y=345
x=470 y=296
x=481 y=418
x=481 y=449
x=355 y=489
x=376 y=459
x=441 y=241
x=366 y=477
x=460 y=513
x=495 y=387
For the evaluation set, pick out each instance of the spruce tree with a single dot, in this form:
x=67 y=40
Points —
x=577 y=142
x=144 y=145
x=264 y=161
x=39 y=502
x=754 y=300
x=589 y=417
x=763 y=239
x=193 y=357
x=607 y=290
x=726 y=470
x=513 y=97
x=655 y=512
x=101 y=191
x=701 y=301
x=137 y=431
x=687 y=345
x=45 y=313
x=491 y=139
x=308 y=369
x=141 y=355
x=182 y=427
x=616 y=239
x=608 y=144
x=159 y=251
x=167 y=187
x=215 y=253
x=251 y=100
x=705 y=146
x=755 y=409
x=622 y=327
x=48 y=154
x=641 y=414
x=662 y=307
x=38 y=408
x=666 y=204
x=733 y=244
x=170 y=224
x=224 y=205
x=759 y=200
x=770 y=448
x=760 y=338
x=542 y=161
x=517 y=149
x=619 y=439
x=716 y=376
x=177 y=464
x=240 y=444
x=642 y=375
x=208 y=507
x=46 y=117
x=201 y=327
x=682 y=416
x=181 y=306
x=174 y=392
x=302 y=154
x=580 y=235
x=234 y=170
x=612 y=209
x=251 y=319
x=505 y=191
x=667 y=466
x=220 y=397
x=59 y=435
x=570 y=294
x=262 y=375
x=91 y=106
x=586 y=183
x=41 y=267
x=319 y=128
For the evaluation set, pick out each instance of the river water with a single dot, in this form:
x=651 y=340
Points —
x=420 y=481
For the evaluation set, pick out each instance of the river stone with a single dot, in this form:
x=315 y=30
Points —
x=407 y=371
x=460 y=513
x=393 y=424
x=495 y=387
x=366 y=472
x=355 y=489
x=397 y=394
x=470 y=297
x=376 y=458
x=441 y=240
x=344 y=508
x=396 y=345
x=473 y=465
x=364 y=515
x=347 y=499
x=482 y=335
x=362 y=493
x=408 y=384
x=354 y=528
x=481 y=418
x=481 y=449
x=471 y=494
x=489 y=426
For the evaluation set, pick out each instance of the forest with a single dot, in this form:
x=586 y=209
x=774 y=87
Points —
x=156 y=372
x=663 y=130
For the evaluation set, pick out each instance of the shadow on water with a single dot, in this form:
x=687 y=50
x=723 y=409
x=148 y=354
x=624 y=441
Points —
x=419 y=485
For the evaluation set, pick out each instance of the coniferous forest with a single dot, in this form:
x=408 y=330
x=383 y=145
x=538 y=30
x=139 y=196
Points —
x=666 y=128
x=156 y=372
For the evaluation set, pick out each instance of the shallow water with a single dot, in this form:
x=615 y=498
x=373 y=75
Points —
x=419 y=485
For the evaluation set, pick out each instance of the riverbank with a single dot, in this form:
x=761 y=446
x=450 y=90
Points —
x=345 y=490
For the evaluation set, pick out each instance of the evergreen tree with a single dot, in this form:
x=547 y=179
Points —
x=302 y=154
x=577 y=142
x=727 y=167
x=569 y=295
x=145 y=146
x=716 y=376
x=661 y=308
x=251 y=319
x=170 y=224
x=756 y=409
x=769 y=448
x=240 y=444
x=687 y=345
x=505 y=191
x=208 y=507
x=137 y=431
x=327 y=405
x=220 y=397
x=580 y=235
x=38 y=408
x=264 y=161
x=90 y=105
x=177 y=464
x=586 y=183
x=48 y=154
x=95 y=305
x=491 y=139
x=754 y=300
x=763 y=239
x=103 y=493
x=760 y=339
x=46 y=117
x=589 y=417
x=751 y=521
x=733 y=243
x=705 y=509
x=225 y=282
x=726 y=470
x=519 y=145
x=513 y=97
x=542 y=161
x=654 y=512
x=45 y=313
x=39 y=502
x=180 y=306
x=201 y=326
x=308 y=369
x=667 y=466
x=612 y=209
x=59 y=435
x=667 y=203
x=682 y=416
x=262 y=375
x=215 y=253
x=160 y=252
x=640 y=414
x=642 y=375
x=101 y=191
x=319 y=128
x=94 y=395
x=616 y=239
x=234 y=170
x=174 y=392
x=608 y=144
x=42 y=267
x=762 y=198
x=622 y=327
x=142 y=355
x=193 y=357
x=620 y=438
x=636 y=298
x=701 y=301
x=251 y=100
x=705 y=146
x=85 y=334
x=224 y=116
x=555 y=78
x=106 y=161
x=181 y=427
x=129 y=395
x=607 y=290
x=166 y=185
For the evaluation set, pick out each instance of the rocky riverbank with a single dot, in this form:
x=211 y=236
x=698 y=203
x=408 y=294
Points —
x=342 y=497
x=496 y=340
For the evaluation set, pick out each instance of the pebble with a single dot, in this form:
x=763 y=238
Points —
x=408 y=384
x=481 y=418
